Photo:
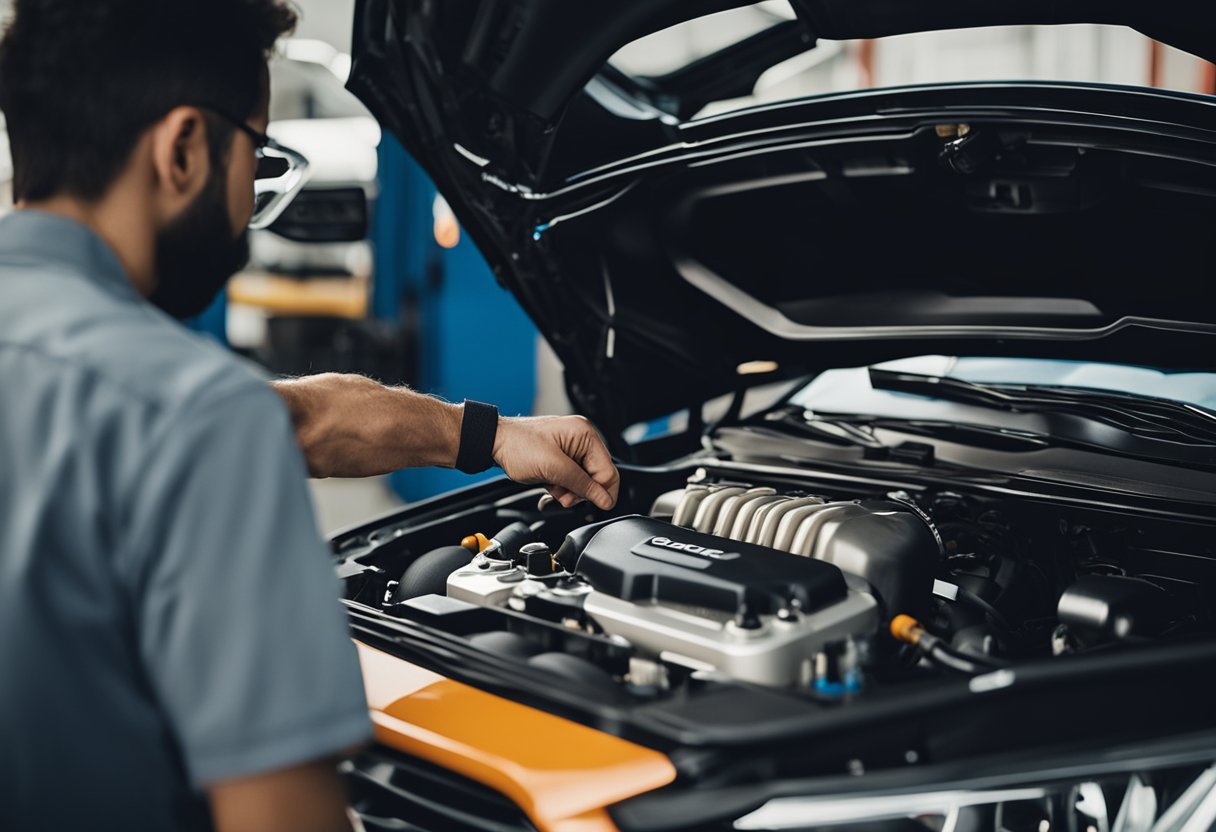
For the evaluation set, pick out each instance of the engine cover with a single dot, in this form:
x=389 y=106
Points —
x=646 y=560
x=749 y=612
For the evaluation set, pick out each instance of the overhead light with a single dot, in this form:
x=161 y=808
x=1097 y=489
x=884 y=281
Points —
x=446 y=226
x=754 y=368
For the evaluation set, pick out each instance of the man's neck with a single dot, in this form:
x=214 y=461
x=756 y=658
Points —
x=121 y=223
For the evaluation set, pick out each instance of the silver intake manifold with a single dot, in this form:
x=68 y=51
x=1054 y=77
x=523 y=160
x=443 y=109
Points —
x=888 y=541
x=786 y=522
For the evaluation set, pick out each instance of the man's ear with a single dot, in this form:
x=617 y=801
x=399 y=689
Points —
x=181 y=157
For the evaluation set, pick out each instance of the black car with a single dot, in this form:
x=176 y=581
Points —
x=968 y=584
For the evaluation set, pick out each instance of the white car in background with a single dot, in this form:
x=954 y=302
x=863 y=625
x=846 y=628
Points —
x=302 y=302
x=312 y=112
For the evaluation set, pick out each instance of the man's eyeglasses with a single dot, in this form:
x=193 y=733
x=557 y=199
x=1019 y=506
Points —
x=281 y=173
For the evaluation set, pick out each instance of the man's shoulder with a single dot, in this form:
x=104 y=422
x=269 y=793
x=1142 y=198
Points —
x=120 y=342
x=176 y=369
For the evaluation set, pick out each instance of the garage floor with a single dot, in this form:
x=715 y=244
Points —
x=340 y=503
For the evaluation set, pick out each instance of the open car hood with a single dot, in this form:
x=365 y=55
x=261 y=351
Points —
x=671 y=259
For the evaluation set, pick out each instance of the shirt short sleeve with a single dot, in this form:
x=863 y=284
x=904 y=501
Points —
x=235 y=599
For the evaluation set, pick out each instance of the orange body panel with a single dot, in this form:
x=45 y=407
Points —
x=561 y=773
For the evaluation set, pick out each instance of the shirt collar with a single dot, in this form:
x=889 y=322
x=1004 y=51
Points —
x=42 y=237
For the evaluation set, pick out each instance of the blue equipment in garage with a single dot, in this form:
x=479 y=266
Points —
x=471 y=338
x=213 y=320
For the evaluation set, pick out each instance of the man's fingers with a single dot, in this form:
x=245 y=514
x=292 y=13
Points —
x=597 y=462
x=565 y=454
x=563 y=496
x=569 y=475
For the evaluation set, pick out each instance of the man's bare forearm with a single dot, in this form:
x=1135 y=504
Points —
x=351 y=426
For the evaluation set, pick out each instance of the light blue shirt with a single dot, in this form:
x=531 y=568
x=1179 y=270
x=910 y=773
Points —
x=169 y=616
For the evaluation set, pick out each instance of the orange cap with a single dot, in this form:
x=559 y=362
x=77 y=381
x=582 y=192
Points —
x=907 y=629
x=475 y=542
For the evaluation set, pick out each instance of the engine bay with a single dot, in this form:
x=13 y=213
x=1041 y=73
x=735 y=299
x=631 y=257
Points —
x=825 y=596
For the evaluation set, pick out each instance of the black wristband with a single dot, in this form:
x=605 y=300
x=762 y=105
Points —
x=478 y=428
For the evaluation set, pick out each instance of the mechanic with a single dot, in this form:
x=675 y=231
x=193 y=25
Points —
x=172 y=651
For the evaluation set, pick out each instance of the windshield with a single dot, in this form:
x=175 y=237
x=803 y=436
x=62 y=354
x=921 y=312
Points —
x=849 y=390
x=1085 y=53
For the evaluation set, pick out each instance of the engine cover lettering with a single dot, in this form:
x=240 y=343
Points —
x=692 y=548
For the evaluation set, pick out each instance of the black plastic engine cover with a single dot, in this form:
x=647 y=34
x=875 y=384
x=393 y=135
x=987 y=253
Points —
x=638 y=558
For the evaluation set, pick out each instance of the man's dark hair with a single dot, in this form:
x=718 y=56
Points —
x=81 y=80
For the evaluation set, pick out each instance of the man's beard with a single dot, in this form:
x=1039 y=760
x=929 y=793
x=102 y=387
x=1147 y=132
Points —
x=197 y=252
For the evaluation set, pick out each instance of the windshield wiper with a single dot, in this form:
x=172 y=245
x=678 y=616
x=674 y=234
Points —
x=844 y=431
x=853 y=431
x=1161 y=420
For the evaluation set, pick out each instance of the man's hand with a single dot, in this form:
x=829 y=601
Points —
x=562 y=452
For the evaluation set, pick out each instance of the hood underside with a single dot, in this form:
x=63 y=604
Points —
x=661 y=255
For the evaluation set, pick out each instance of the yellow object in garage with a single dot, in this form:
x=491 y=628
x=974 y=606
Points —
x=563 y=775
x=339 y=297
